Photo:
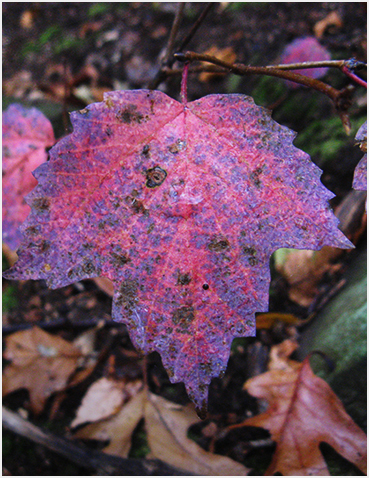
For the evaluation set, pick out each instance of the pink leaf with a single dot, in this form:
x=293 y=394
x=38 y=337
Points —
x=305 y=49
x=181 y=207
x=26 y=134
x=360 y=176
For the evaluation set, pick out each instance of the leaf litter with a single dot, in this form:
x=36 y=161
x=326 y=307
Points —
x=180 y=205
x=166 y=425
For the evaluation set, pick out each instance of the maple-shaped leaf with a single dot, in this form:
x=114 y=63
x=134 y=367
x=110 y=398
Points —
x=360 y=175
x=26 y=134
x=305 y=49
x=303 y=412
x=181 y=207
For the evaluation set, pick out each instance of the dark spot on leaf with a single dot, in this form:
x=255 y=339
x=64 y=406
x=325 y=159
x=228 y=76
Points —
x=109 y=131
x=136 y=206
x=205 y=286
x=183 y=317
x=155 y=177
x=183 y=279
x=44 y=246
x=254 y=176
x=119 y=260
x=88 y=267
x=116 y=203
x=218 y=245
x=252 y=261
x=127 y=295
x=41 y=204
x=249 y=250
x=177 y=146
x=130 y=115
x=146 y=150
x=32 y=230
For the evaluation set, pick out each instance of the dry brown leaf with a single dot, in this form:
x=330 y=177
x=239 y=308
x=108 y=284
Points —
x=332 y=19
x=42 y=363
x=269 y=319
x=279 y=356
x=224 y=54
x=304 y=269
x=119 y=428
x=103 y=399
x=166 y=426
x=105 y=285
x=303 y=412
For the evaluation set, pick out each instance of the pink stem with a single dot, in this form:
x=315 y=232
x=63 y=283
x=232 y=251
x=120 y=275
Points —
x=184 y=83
x=354 y=77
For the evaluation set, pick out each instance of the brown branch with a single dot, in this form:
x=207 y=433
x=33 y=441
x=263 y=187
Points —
x=102 y=463
x=240 y=69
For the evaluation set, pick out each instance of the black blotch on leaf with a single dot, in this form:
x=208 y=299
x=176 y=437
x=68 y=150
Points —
x=155 y=177
x=183 y=279
x=146 y=150
x=119 y=260
x=218 y=245
x=41 y=204
x=129 y=115
x=127 y=295
x=183 y=317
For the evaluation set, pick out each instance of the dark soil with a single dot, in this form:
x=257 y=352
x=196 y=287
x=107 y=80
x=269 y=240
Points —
x=96 y=47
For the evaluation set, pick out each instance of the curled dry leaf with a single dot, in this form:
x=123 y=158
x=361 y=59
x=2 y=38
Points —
x=166 y=425
x=26 y=134
x=181 y=207
x=279 y=356
x=104 y=398
x=224 y=54
x=40 y=362
x=333 y=19
x=303 y=412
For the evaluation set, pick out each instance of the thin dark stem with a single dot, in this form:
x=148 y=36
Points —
x=173 y=33
x=196 y=25
x=168 y=59
x=240 y=69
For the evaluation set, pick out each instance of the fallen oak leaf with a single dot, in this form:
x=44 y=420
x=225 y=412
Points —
x=166 y=425
x=303 y=412
x=40 y=362
x=181 y=207
x=26 y=134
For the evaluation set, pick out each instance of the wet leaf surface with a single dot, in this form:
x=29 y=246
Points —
x=26 y=134
x=181 y=207
x=303 y=412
